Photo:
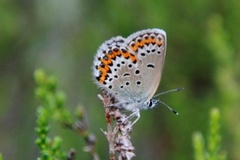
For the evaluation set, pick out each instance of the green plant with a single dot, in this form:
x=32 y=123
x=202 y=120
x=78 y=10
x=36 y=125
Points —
x=209 y=150
x=53 y=107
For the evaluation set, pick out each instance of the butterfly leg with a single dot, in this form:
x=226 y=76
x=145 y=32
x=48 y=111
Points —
x=133 y=114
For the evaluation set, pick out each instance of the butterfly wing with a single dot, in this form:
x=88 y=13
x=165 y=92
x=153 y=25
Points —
x=150 y=48
x=113 y=67
x=130 y=69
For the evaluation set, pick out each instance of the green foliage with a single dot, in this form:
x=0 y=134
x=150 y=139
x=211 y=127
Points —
x=210 y=150
x=52 y=107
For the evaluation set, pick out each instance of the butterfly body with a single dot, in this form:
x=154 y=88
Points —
x=130 y=69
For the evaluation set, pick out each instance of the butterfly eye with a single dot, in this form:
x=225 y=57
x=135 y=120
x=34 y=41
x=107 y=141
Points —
x=149 y=103
x=152 y=103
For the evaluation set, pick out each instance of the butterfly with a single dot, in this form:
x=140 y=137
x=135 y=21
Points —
x=130 y=69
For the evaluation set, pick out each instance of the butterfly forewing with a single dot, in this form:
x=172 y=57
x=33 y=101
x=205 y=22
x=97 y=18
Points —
x=150 y=48
x=130 y=69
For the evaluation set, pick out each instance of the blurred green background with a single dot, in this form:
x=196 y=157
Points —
x=60 y=36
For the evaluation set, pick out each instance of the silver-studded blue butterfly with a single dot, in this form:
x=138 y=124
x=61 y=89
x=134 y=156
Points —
x=130 y=69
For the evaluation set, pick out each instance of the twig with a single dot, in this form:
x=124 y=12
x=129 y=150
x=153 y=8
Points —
x=81 y=127
x=118 y=135
x=109 y=134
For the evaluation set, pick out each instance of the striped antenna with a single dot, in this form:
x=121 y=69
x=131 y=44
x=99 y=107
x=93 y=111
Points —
x=172 y=90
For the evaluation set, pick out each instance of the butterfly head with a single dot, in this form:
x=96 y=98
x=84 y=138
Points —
x=152 y=103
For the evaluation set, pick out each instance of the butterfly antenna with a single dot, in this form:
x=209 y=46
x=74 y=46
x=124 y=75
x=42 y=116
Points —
x=175 y=112
x=172 y=90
